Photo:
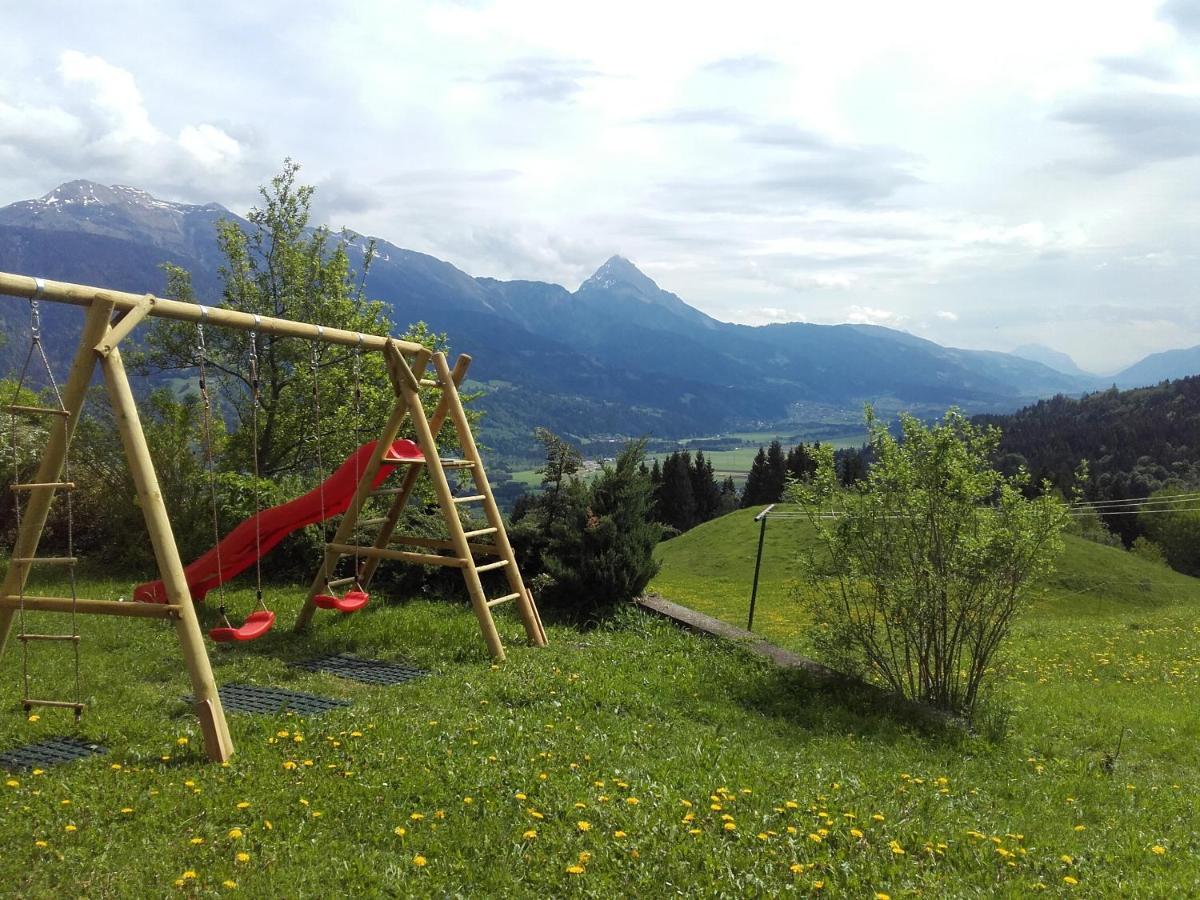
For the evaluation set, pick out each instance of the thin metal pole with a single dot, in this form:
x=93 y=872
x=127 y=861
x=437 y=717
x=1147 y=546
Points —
x=762 y=534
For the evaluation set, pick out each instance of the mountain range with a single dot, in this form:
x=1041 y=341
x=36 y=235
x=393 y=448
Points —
x=617 y=356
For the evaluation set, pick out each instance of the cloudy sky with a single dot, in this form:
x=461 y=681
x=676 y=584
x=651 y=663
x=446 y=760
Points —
x=985 y=175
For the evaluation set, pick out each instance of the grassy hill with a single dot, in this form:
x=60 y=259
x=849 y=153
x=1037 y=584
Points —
x=631 y=760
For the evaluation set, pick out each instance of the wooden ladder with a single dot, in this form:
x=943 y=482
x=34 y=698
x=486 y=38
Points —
x=461 y=548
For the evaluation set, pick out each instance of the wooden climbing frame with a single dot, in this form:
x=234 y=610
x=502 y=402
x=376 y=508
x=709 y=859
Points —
x=407 y=365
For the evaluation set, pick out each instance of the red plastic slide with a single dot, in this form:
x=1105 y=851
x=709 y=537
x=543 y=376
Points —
x=238 y=547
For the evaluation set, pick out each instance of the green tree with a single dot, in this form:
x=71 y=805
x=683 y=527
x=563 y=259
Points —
x=1172 y=522
x=284 y=268
x=602 y=552
x=917 y=578
x=756 y=481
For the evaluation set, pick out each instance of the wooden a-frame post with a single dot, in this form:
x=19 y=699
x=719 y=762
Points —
x=98 y=341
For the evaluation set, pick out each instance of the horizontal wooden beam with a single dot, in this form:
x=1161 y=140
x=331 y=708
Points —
x=85 y=295
x=421 y=559
x=93 y=607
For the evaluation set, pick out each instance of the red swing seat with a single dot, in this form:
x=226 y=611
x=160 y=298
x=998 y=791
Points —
x=353 y=600
x=256 y=625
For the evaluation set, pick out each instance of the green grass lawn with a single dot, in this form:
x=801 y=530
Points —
x=632 y=760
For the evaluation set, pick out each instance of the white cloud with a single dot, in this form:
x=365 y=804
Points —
x=209 y=145
x=775 y=157
x=947 y=315
x=867 y=315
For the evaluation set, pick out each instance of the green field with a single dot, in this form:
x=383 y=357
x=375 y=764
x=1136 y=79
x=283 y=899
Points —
x=629 y=760
x=736 y=462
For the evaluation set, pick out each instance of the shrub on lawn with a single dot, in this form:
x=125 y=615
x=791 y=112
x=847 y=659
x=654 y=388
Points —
x=920 y=570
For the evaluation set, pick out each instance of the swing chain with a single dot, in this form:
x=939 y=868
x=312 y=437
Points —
x=35 y=319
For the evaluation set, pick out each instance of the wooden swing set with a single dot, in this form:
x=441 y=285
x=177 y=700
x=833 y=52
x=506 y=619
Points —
x=111 y=316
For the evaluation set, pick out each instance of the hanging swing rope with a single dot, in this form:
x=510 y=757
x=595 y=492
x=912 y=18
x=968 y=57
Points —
x=209 y=462
x=254 y=397
x=23 y=635
x=262 y=619
x=314 y=367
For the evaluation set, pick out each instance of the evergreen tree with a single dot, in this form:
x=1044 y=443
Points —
x=677 y=503
x=705 y=491
x=756 y=480
x=602 y=551
x=776 y=473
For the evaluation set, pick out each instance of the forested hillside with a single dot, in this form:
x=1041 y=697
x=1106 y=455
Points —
x=1136 y=442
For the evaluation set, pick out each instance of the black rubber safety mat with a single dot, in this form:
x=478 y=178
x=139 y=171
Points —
x=368 y=671
x=249 y=698
x=50 y=752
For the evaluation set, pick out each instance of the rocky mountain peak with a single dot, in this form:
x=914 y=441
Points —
x=618 y=271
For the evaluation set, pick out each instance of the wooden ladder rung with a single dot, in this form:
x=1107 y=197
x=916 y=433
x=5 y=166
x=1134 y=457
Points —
x=371 y=523
x=341 y=582
x=48 y=637
x=456 y=464
x=60 y=704
x=428 y=382
x=490 y=566
x=34 y=485
x=471 y=499
x=46 y=560
x=38 y=410
x=479 y=533
x=503 y=599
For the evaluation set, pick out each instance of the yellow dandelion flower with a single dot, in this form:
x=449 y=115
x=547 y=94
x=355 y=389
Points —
x=584 y=856
x=235 y=833
x=730 y=826
x=468 y=800
x=619 y=835
x=1158 y=850
x=399 y=831
x=694 y=831
x=419 y=860
x=189 y=875
x=12 y=782
x=815 y=838
x=584 y=826
x=575 y=870
x=242 y=857
x=267 y=824
x=196 y=841
x=417 y=817
x=530 y=835
x=126 y=810
x=41 y=844
x=796 y=868
x=289 y=765
x=1070 y=879
x=33 y=718
x=70 y=828
x=632 y=801
x=818 y=885
x=855 y=833
x=39 y=771
x=229 y=883
x=896 y=848
x=880 y=895
x=878 y=817
x=243 y=805
x=182 y=742
x=792 y=804
x=1067 y=859
x=1081 y=828
x=520 y=796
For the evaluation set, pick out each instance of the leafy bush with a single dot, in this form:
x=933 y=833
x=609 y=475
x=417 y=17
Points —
x=920 y=569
